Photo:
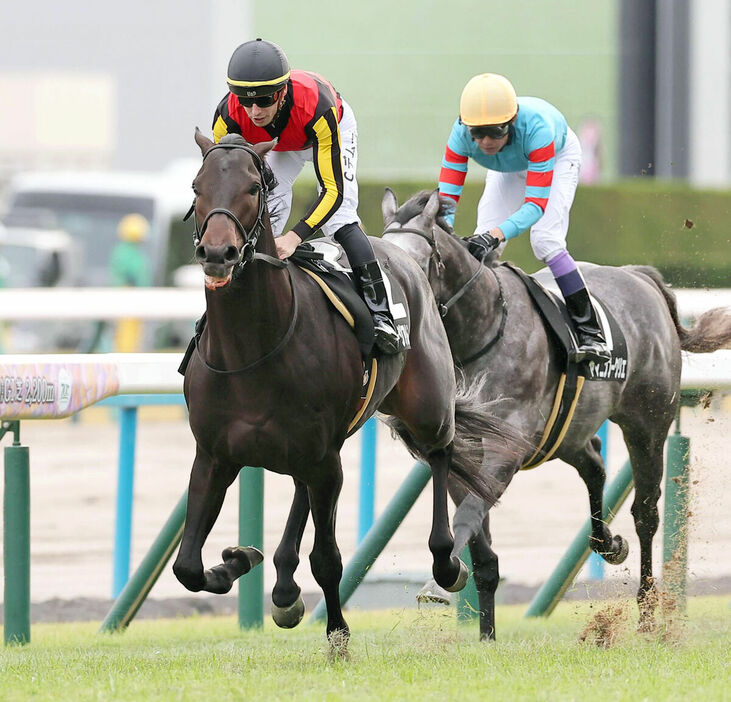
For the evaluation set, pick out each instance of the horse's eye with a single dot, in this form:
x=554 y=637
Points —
x=254 y=189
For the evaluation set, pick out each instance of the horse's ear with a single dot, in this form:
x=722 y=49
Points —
x=203 y=141
x=389 y=206
x=431 y=210
x=264 y=147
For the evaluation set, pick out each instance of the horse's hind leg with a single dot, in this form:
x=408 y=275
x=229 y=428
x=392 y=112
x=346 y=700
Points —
x=207 y=489
x=645 y=452
x=325 y=559
x=287 y=605
x=590 y=466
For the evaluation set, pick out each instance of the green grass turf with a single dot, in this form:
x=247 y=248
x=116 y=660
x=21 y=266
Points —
x=395 y=655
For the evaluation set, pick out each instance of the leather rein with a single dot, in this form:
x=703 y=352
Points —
x=247 y=253
x=444 y=307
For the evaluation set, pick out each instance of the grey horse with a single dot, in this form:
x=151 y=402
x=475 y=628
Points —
x=496 y=335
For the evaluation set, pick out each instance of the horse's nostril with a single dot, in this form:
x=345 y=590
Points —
x=231 y=254
x=200 y=253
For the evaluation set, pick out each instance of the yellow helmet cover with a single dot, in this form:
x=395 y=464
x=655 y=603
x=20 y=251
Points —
x=488 y=98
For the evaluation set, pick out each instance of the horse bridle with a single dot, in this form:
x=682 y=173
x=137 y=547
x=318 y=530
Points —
x=248 y=250
x=444 y=307
x=247 y=253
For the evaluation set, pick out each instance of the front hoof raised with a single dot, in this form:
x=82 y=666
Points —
x=461 y=580
x=431 y=593
x=246 y=558
x=289 y=617
x=618 y=554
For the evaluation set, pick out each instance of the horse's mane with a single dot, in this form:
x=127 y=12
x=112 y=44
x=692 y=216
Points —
x=268 y=174
x=415 y=206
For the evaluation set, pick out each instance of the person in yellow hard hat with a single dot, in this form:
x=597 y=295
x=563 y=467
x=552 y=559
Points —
x=129 y=267
x=533 y=160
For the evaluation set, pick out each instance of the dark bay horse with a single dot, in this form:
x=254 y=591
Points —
x=496 y=334
x=275 y=382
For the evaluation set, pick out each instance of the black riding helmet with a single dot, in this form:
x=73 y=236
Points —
x=257 y=68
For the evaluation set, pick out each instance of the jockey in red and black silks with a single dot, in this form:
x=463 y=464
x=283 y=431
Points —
x=307 y=120
x=311 y=122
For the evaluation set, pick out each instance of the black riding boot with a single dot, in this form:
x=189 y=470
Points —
x=592 y=344
x=370 y=280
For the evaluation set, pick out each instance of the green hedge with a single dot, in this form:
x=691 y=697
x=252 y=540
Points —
x=682 y=231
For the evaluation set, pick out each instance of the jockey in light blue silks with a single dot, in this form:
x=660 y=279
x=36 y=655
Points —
x=532 y=159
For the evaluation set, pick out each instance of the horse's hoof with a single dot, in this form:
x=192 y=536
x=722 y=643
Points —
x=244 y=555
x=615 y=557
x=461 y=581
x=289 y=617
x=431 y=593
x=338 y=641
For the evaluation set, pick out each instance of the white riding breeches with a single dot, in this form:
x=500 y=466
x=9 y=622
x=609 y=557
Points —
x=504 y=194
x=287 y=165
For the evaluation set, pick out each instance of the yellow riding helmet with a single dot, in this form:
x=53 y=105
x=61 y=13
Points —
x=133 y=227
x=488 y=98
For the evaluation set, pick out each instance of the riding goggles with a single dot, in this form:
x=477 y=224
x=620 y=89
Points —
x=494 y=131
x=259 y=100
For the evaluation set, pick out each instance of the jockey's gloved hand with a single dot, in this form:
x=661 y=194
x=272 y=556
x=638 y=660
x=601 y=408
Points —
x=480 y=245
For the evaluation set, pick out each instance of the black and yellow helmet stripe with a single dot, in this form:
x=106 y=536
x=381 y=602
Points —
x=258 y=83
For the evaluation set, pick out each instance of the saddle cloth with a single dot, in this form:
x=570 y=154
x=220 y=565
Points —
x=322 y=260
x=551 y=306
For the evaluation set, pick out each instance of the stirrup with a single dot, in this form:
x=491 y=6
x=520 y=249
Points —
x=596 y=352
x=386 y=337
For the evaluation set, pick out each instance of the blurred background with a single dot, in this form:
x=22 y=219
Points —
x=98 y=105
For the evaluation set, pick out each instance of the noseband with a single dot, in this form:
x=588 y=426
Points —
x=248 y=250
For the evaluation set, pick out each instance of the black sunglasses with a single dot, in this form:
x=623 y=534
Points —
x=494 y=131
x=259 y=100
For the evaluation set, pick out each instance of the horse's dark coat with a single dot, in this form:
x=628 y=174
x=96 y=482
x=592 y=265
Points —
x=290 y=413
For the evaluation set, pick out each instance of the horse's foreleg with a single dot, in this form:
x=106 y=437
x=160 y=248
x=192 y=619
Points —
x=448 y=569
x=487 y=577
x=325 y=560
x=206 y=491
x=287 y=605
x=590 y=466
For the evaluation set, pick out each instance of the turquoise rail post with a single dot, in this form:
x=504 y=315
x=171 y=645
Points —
x=139 y=585
x=552 y=591
x=251 y=533
x=16 y=538
x=675 y=527
x=379 y=535
x=596 y=562
x=125 y=498
x=128 y=405
x=366 y=506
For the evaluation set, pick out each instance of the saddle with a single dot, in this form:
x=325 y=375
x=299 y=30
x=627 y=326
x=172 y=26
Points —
x=549 y=303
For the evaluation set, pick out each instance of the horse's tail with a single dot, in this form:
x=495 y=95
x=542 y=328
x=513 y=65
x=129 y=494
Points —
x=712 y=330
x=474 y=421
